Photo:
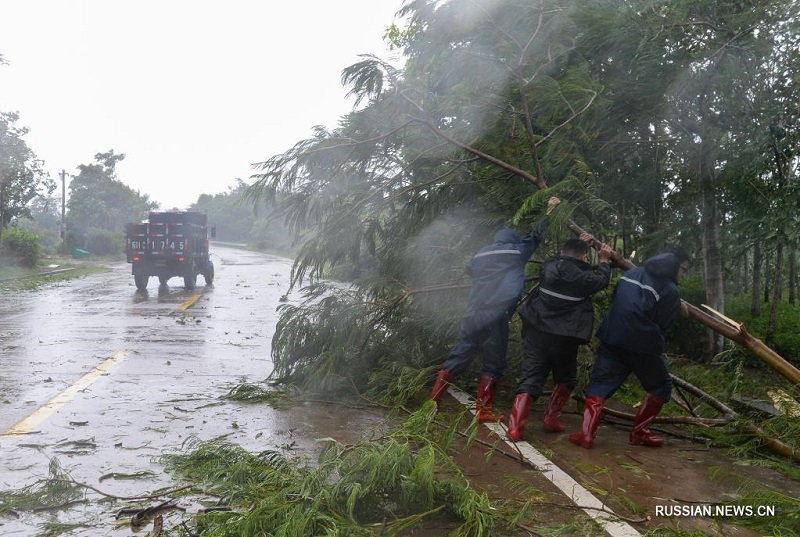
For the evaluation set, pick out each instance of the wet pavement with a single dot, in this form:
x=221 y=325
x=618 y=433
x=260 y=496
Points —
x=105 y=379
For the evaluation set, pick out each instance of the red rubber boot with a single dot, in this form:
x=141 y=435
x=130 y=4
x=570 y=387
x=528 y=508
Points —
x=557 y=401
x=520 y=411
x=648 y=410
x=592 y=412
x=443 y=382
x=486 y=389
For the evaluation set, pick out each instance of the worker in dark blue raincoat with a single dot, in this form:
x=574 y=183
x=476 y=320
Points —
x=645 y=304
x=557 y=318
x=498 y=278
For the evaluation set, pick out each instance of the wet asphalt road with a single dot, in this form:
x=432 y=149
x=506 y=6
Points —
x=105 y=378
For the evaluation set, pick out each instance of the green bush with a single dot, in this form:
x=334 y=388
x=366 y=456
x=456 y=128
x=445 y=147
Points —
x=49 y=236
x=20 y=247
x=104 y=242
x=786 y=340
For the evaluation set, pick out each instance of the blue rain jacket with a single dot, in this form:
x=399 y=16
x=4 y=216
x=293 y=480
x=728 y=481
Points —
x=498 y=270
x=645 y=304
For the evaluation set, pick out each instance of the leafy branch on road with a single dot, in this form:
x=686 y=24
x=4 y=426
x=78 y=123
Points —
x=406 y=478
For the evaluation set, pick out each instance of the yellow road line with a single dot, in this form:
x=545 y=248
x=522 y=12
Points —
x=188 y=304
x=26 y=425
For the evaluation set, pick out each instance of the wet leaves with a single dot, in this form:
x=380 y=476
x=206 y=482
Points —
x=253 y=393
x=385 y=486
x=54 y=529
x=76 y=447
x=55 y=491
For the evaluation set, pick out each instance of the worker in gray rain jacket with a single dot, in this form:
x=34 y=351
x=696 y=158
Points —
x=557 y=318
x=645 y=304
x=498 y=278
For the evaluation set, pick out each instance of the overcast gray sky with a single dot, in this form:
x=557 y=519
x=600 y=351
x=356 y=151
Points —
x=191 y=91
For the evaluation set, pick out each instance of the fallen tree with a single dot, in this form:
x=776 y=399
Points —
x=717 y=322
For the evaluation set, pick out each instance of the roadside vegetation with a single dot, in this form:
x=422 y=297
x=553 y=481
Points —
x=24 y=266
x=16 y=280
x=404 y=481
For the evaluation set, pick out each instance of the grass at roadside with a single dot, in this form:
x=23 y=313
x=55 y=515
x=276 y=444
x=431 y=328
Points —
x=49 y=271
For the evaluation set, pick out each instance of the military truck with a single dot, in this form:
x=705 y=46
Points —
x=169 y=244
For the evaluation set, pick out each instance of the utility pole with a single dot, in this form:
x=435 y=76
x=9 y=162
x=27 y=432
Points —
x=63 y=176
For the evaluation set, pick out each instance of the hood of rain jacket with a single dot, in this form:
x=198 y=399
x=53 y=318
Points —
x=498 y=269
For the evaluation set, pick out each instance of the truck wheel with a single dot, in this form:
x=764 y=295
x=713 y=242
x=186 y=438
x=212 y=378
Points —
x=141 y=281
x=190 y=278
x=209 y=273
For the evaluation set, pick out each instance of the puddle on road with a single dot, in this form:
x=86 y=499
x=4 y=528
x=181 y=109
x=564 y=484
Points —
x=99 y=451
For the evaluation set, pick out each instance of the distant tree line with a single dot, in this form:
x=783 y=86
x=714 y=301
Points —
x=237 y=221
x=99 y=205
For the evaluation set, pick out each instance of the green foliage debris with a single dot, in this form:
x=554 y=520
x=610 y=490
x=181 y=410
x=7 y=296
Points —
x=371 y=488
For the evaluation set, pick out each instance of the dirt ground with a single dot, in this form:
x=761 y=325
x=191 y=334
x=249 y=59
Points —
x=632 y=480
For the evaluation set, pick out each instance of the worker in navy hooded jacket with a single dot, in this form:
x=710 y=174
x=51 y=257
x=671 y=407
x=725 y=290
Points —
x=498 y=277
x=557 y=319
x=645 y=304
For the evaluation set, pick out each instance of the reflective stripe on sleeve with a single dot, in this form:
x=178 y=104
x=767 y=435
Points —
x=493 y=252
x=559 y=295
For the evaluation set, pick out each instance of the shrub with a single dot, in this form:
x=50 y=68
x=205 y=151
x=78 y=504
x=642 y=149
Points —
x=104 y=242
x=21 y=246
x=786 y=340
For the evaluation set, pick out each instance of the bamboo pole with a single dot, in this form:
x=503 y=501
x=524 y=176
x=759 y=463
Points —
x=728 y=328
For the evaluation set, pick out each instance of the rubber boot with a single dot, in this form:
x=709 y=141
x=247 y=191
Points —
x=486 y=390
x=443 y=382
x=592 y=412
x=649 y=409
x=557 y=401
x=520 y=411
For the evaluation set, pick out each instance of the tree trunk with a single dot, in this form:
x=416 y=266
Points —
x=739 y=278
x=792 y=275
x=2 y=205
x=758 y=261
x=623 y=230
x=745 y=274
x=776 y=294
x=712 y=262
